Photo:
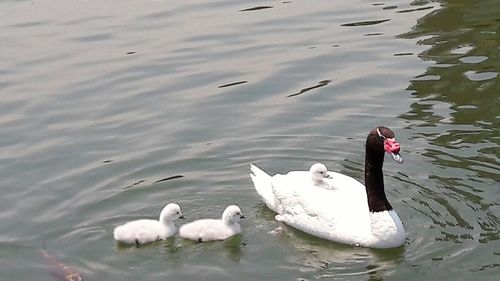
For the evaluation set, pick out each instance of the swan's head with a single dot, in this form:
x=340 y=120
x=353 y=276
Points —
x=232 y=214
x=319 y=172
x=383 y=139
x=170 y=213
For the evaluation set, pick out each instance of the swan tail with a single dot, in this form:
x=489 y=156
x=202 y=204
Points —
x=263 y=185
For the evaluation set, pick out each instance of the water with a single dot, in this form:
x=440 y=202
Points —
x=101 y=101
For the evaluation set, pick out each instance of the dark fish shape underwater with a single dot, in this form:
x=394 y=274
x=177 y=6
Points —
x=58 y=270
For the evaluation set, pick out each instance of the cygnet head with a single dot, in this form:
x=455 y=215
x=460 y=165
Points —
x=319 y=172
x=170 y=213
x=232 y=214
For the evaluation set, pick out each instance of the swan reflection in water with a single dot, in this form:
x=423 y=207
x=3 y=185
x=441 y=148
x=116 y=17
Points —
x=320 y=258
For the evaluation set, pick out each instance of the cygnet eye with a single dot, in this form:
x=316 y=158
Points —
x=177 y=212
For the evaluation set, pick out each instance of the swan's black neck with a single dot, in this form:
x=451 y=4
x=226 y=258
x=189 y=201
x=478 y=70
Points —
x=374 y=179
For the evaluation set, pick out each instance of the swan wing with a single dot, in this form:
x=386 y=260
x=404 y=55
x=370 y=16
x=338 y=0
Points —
x=340 y=214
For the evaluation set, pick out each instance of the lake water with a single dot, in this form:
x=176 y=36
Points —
x=104 y=105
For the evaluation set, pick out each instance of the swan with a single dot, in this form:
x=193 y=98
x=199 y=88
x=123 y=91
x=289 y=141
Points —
x=145 y=230
x=351 y=213
x=212 y=229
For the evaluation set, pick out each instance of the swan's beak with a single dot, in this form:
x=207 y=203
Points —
x=397 y=157
x=392 y=147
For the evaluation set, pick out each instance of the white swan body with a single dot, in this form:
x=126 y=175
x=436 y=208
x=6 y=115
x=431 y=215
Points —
x=145 y=230
x=214 y=229
x=342 y=214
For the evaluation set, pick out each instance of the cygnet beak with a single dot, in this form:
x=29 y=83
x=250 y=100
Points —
x=181 y=217
x=328 y=176
x=242 y=216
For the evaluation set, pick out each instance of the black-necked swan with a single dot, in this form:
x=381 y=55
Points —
x=351 y=213
x=145 y=230
x=213 y=229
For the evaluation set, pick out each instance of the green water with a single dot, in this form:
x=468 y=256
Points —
x=101 y=101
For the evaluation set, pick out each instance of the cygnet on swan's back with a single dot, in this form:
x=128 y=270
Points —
x=145 y=230
x=212 y=229
x=319 y=172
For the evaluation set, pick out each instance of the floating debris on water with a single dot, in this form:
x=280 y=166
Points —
x=256 y=8
x=170 y=178
x=134 y=184
x=232 y=84
x=363 y=23
x=320 y=84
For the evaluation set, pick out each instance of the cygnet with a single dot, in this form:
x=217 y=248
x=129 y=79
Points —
x=145 y=230
x=319 y=172
x=212 y=229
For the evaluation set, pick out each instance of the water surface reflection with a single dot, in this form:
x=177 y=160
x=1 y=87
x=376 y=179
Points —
x=453 y=123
